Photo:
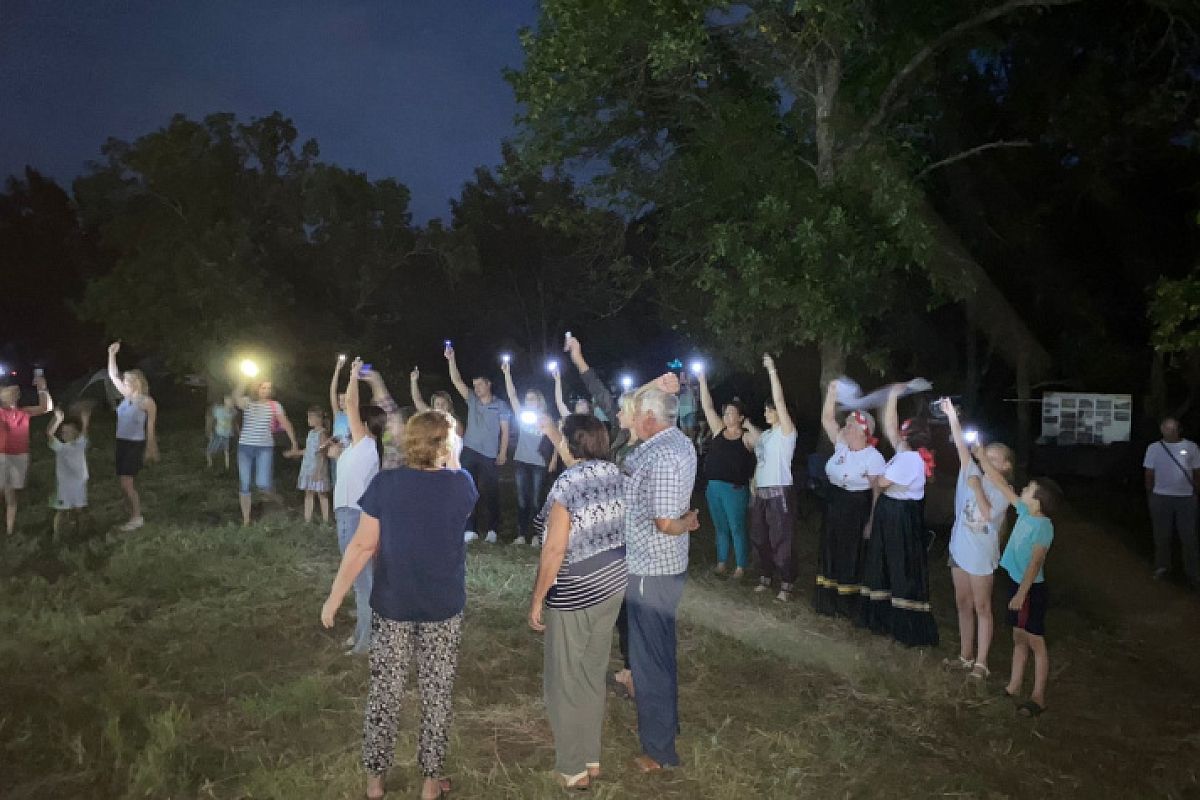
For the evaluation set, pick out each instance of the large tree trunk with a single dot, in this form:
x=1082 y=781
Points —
x=829 y=79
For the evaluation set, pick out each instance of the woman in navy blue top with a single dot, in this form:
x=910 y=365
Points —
x=411 y=524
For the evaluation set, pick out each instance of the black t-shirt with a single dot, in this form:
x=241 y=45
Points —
x=421 y=565
x=728 y=460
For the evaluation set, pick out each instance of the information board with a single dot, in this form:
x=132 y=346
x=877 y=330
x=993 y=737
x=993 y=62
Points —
x=1070 y=418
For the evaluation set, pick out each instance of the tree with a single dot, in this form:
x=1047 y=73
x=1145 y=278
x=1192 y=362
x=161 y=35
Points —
x=775 y=140
x=46 y=258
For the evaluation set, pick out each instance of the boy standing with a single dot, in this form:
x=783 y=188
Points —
x=1022 y=564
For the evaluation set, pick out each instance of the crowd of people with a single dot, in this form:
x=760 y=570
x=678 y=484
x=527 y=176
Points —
x=605 y=491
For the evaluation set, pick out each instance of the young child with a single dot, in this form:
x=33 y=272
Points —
x=219 y=427
x=314 y=469
x=70 y=467
x=1022 y=563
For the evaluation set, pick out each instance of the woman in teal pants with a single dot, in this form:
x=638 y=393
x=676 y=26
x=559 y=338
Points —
x=728 y=466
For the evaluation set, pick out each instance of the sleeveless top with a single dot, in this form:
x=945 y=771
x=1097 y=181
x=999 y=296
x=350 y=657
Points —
x=728 y=460
x=131 y=421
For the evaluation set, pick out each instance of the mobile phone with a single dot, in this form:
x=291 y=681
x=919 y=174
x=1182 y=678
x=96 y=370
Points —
x=365 y=369
x=39 y=372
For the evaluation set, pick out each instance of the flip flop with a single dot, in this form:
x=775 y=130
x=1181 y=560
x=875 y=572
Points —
x=1030 y=709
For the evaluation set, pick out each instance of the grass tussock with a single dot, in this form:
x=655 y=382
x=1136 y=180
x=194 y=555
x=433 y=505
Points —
x=186 y=661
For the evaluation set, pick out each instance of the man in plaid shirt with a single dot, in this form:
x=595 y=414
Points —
x=659 y=478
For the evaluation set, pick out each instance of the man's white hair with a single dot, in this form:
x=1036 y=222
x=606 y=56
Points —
x=664 y=406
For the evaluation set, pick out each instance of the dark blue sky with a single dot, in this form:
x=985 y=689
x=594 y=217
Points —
x=395 y=88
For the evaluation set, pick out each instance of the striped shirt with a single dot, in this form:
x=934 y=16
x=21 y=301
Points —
x=256 y=424
x=593 y=569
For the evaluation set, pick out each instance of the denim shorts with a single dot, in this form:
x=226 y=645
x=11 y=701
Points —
x=255 y=462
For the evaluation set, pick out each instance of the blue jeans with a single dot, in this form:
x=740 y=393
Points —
x=530 y=478
x=255 y=461
x=347 y=524
x=651 y=602
x=727 y=504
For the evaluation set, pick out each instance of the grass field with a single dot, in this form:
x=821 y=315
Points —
x=186 y=661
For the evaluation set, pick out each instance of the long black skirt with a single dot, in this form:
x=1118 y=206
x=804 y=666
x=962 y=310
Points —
x=895 y=590
x=839 y=570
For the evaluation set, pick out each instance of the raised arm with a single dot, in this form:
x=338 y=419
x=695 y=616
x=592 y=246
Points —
x=715 y=423
x=563 y=411
x=591 y=380
x=514 y=399
x=786 y=426
x=240 y=399
x=85 y=420
x=380 y=396
x=891 y=416
x=358 y=429
x=52 y=428
x=333 y=385
x=414 y=388
x=45 y=401
x=956 y=432
x=114 y=375
x=994 y=476
x=829 y=412
x=455 y=376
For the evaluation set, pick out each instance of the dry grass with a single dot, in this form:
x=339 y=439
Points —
x=186 y=661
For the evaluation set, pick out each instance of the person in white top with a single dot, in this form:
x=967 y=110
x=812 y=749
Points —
x=852 y=470
x=895 y=587
x=979 y=510
x=357 y=464
x=1172 y=466
x=773 y=507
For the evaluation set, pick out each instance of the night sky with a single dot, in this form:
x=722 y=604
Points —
x=410 y=90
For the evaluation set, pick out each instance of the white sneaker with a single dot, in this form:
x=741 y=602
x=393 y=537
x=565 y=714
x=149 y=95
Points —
x=133 y=524
x=536 y=541
x=470 y=536
x=491 y=537
x=519 y=540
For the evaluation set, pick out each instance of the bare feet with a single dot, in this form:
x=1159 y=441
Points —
x=375 y=787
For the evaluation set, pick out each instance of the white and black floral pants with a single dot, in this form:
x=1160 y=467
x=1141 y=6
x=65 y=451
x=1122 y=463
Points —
x=393 y=646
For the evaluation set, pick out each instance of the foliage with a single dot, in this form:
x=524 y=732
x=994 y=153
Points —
x=765 y=138
x=1175 y=314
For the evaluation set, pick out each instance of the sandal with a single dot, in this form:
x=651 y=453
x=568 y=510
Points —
x=577 y=783
x=965 y=664
x=1030 y=708
x=980 y=672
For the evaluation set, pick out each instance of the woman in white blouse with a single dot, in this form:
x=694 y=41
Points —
x=895 y=591
x=852 y=470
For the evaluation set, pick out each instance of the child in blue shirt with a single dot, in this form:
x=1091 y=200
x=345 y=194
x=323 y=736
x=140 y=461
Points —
x=1022 y=565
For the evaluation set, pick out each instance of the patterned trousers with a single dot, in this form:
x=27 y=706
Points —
x=393 y=645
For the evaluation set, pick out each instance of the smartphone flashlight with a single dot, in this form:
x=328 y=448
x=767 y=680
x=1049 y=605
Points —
x=552 y=366
x=971 y=436
x=529 y=417
x=506 y=358
x=626 y=382
x=697 y=367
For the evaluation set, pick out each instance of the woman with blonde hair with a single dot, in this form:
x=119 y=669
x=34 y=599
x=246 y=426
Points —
x=979 y=510
x=410 y=526
x=529 y=464
x=137 y=439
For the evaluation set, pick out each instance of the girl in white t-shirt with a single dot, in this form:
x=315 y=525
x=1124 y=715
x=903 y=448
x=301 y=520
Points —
x=979 y=510
x=895 y=590
x=851 y=471
x=773 y=506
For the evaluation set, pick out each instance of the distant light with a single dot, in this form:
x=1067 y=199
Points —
x=529 y=417
x=248 y=368
x=551 y=366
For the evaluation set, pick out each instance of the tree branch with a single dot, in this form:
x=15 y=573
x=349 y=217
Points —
x=974 y=151
x=888 y=100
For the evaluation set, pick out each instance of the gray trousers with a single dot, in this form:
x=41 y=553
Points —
x=576 y=660
x=1171 y=515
